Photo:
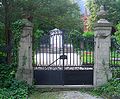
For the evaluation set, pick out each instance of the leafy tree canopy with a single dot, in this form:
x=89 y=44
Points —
x=47 y=14
x=113 y=9
x=111 y=6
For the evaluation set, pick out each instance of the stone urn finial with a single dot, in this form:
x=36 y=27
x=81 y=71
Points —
x=102 y=13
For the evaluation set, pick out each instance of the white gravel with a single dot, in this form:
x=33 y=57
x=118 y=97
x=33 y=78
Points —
x=76 y=95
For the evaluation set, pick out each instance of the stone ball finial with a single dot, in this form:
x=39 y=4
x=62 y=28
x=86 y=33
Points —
x=102 y=13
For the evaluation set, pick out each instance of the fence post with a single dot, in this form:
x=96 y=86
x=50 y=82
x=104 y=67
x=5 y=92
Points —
x=102 y=39
x=25 y=69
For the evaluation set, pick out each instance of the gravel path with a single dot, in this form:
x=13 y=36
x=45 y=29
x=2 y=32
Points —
x=76 y=95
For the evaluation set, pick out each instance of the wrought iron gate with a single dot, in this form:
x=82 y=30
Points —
x=115 y=57
x=63 y=59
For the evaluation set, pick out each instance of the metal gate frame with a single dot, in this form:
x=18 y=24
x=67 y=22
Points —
x=68 y=70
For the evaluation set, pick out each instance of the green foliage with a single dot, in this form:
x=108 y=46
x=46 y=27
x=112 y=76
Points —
x=38 y=33
x=111 y=6
x=109 y=90
x=47 y=14
x=73 y=38
x=113 y=9
x=2 y=37
x=17 y=90
x=7 y=72
x=93 y=8
x=16 y=30
x=81 y=42
x=9 y=87
x=88 y=34
x=117 y=33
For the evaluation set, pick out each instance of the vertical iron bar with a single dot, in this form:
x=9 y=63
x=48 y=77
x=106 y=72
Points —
x=59 y=48
x=63 y=55
x=111 y=55
x=52 y=48
x=111 y=49
x=83 y=51
x=73 y=51
x=80 y=52
x=36 y=57
x=93 y=43
x=86 y=51
x=117 y=58
x=77 y=52
x=67 y=48
x=111 y=52
x=49 y=51
x=43 y=49
x=90 y=52
x=70 y=48
x=40 y=52
x=114 y=55
x=46 y=49
x=56 y=45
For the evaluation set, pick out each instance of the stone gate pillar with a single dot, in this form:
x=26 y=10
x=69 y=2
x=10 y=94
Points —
x=102 y=38
x=25 y=69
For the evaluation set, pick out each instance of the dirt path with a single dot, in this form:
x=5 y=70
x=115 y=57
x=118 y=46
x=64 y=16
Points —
x=62 y=95
x=75 y=95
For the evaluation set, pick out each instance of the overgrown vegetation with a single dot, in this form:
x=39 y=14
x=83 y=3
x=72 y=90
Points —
x=93 y=8
x=117 y=33
x=15 y=90
x=88 y=34
x=111 y=90
x=2 y=37
x=9 y=87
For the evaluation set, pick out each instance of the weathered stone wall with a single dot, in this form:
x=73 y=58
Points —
x=25 y=69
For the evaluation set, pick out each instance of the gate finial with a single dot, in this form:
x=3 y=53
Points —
x=102 y=13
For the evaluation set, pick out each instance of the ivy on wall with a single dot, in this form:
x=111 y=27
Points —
x=9 y=87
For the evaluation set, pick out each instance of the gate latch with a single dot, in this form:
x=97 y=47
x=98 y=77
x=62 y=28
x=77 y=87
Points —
x=63 y=57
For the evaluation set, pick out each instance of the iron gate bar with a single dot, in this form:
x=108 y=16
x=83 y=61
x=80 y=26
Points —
x=63 y=55
x=114 y=57
x=67 y=47
x=46 y=52
x=70 y=50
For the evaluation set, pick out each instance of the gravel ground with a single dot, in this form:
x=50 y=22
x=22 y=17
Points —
x=76 y=95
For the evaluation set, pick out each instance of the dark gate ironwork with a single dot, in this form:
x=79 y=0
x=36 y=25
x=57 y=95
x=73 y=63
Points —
x=63 y=59
x=115 y=58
